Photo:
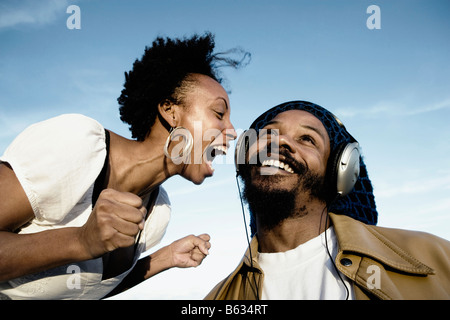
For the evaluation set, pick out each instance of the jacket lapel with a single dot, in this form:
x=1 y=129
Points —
x=371 y=259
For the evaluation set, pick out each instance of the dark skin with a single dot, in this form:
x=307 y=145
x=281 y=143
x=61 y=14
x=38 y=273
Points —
x=306 y=139
x=136 y=169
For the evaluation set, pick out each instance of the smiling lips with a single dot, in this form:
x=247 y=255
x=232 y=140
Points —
x=222 y=150
x=277 y=164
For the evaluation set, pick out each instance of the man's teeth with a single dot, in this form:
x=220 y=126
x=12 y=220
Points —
x=278 y=164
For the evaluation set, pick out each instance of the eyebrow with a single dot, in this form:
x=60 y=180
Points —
x=221 y=98
x=303 y=126
x=315 y=130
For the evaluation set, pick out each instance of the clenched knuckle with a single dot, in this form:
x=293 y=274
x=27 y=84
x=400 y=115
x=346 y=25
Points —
x=106 y=193
x=104 y=219
x=104 y=205
x=107 y=234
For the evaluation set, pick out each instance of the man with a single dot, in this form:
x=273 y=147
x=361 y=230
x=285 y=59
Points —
x=312 y=238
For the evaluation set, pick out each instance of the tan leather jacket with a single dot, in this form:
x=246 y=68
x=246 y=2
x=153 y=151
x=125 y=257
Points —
x=382 y=263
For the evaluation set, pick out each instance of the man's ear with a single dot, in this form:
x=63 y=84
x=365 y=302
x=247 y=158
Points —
x=167 y=111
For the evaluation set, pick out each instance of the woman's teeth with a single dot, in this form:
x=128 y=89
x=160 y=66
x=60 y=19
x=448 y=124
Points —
x=216 y=151
x=222 y=149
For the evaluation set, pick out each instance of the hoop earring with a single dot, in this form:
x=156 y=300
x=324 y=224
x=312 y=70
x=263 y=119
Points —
x=188 y=140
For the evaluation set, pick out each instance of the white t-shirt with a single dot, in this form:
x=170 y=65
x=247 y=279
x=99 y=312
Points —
x=57 y=162
x=304 y=273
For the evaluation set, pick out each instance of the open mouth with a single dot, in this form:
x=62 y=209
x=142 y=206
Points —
x=212 y=152
x=278 y=165
x=281 y=162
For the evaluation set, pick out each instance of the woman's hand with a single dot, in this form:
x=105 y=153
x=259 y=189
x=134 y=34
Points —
x=189 y=251
x=183 y=253
x=114 y=223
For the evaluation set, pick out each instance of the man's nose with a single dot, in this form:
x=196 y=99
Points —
x=287 y=142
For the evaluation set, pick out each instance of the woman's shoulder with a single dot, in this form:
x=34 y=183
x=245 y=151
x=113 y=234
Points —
x=73 y=123
x=59 y=142
x=56 y=131
x=56 y=161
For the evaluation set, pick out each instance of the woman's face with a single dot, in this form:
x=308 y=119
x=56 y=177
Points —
x=206 y=114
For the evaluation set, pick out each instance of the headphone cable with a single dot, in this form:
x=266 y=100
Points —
x=329 y=254
x=248 y=240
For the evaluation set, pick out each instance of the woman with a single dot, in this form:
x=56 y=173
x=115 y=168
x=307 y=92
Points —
x=79 y=203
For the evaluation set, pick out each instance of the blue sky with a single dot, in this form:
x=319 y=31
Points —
x=390 y=86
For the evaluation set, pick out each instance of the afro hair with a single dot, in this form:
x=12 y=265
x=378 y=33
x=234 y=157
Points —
x=158 y=76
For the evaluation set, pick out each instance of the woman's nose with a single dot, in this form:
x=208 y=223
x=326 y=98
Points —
x=230 y=133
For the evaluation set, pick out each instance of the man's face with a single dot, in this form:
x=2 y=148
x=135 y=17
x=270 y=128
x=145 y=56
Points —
x=279 y=187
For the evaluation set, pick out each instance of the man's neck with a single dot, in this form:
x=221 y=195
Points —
x=294 y=231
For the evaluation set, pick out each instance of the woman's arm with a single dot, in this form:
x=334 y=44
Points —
x=114 y=223
x=22 y=254
x=183 y=253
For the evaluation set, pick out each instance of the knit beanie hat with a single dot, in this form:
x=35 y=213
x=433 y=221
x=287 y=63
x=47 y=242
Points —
x=360 y=202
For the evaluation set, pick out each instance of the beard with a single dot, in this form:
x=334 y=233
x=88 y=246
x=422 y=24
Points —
x=270 y=204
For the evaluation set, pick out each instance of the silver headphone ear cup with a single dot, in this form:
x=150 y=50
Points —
x=347 y=168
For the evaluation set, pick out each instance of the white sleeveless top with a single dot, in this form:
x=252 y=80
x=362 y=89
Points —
x=57 y=162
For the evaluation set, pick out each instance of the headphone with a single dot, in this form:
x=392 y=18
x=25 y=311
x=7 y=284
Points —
x=343 y=164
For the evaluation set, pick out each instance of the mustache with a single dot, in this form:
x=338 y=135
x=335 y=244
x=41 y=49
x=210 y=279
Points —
x=298 y=167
